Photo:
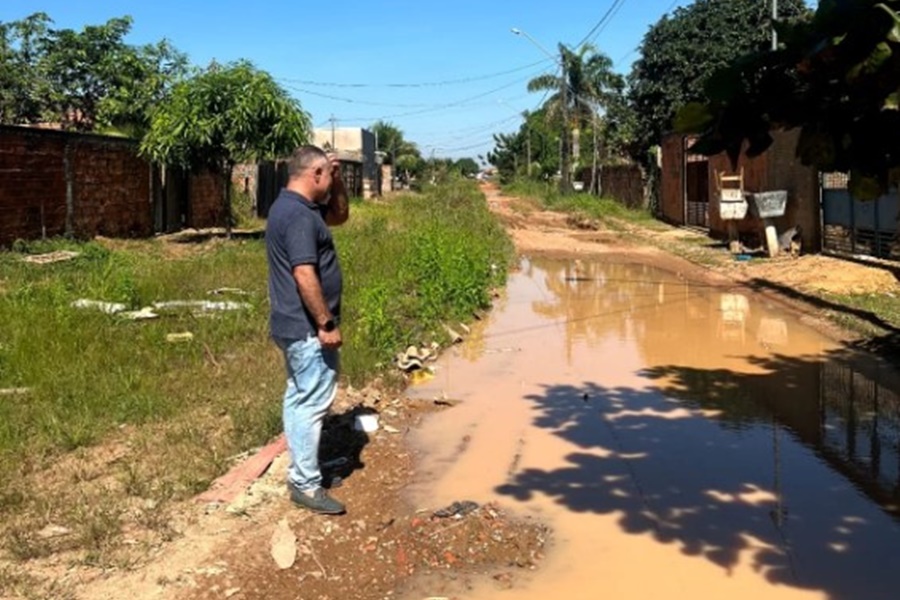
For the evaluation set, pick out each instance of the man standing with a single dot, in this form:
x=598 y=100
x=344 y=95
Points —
x=305 y=295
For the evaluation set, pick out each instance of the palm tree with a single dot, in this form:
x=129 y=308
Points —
x=590 y=86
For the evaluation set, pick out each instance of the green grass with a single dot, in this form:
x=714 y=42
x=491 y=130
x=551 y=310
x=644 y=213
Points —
x=414 y=263
x=579 y=204
x=885 y=306
x=175 y=412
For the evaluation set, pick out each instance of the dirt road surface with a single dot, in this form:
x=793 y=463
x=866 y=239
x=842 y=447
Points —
x=395 y=542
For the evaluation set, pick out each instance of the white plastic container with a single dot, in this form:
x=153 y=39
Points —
x=367 y=423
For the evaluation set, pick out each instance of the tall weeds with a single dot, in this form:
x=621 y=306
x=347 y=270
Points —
x=75 y=381
x=583 y=204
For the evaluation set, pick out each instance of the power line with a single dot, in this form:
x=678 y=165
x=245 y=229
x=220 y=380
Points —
x=439 y=107
x=413 y=85
x=457 y=148
x=466 y=131
x=615 y=10
x=627 y=54
x=353 y=101
x=599 y=24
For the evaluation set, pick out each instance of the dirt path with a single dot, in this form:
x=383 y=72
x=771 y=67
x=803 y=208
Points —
x=387 y=546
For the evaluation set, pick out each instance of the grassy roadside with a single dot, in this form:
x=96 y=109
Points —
x=580 y=205
x=105 y=424
x=873 y=316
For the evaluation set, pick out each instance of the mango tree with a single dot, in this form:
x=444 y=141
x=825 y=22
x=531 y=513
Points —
x=86 y=80
x=224 y=116
x=682 y=50
x=836 y=78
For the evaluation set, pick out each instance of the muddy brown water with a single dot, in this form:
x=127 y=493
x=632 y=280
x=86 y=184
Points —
x=683 y=440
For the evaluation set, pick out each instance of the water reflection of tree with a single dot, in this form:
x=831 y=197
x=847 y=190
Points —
x=712 y=352
x=663 y=314
x=592 y=297
x=710 y=490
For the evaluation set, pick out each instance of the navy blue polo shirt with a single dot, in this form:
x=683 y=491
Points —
x=296 y=234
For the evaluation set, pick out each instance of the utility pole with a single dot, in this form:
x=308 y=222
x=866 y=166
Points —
x=774 y=19
x=332 y=119
x=564 y=179
x=564 y=146
x=528 y=146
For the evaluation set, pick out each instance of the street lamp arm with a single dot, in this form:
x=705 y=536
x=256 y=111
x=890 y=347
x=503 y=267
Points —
x=517 y=31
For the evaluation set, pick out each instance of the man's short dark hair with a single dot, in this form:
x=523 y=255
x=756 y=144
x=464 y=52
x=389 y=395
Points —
x=304 y=158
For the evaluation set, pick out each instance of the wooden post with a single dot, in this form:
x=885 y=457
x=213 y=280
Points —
x=70 y=191
x=734 y=242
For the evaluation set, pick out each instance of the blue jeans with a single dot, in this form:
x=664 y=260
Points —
x=312 y=373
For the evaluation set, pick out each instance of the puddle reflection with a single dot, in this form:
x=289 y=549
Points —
x=690 y=416
x=711 y=438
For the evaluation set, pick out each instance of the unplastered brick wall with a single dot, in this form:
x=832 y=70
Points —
x=111 y=190
x=32 y=186
x=672 y=180
x=54 y=183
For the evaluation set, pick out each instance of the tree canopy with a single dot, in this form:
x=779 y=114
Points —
x=83 y=80
x=510 y=153
x=590 y=87
x=466 y=166
x=223 y=116
x=836 y=77
x=590 y=84
x=680 y=52
x=399 y=152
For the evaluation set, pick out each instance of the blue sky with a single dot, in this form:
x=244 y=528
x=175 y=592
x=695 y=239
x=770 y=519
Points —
x=462 y=72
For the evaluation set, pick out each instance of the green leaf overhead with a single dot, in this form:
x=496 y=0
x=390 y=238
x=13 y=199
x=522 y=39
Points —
x=836 y=77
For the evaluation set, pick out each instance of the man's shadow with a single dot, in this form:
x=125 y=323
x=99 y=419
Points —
x=341 y=447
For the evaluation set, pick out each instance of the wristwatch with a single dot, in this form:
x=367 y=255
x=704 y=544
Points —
x=328 y=325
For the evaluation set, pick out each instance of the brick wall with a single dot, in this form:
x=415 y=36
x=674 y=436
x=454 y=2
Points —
x=624 y=183
x=110 y=187
x=802 y=185
x=755 y=180
x=32 y=186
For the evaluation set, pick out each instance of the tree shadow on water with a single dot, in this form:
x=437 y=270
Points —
x=740 y=469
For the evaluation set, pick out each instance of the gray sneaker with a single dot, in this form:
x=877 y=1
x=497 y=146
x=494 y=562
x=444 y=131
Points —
x=319 y=502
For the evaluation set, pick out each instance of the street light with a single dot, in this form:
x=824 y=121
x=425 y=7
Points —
x=524 y=34
x=563 y=92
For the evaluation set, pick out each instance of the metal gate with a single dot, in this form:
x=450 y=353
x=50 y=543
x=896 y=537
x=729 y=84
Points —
x=858 y=227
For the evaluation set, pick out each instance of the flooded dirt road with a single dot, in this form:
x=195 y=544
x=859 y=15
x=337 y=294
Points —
x=683 y=440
